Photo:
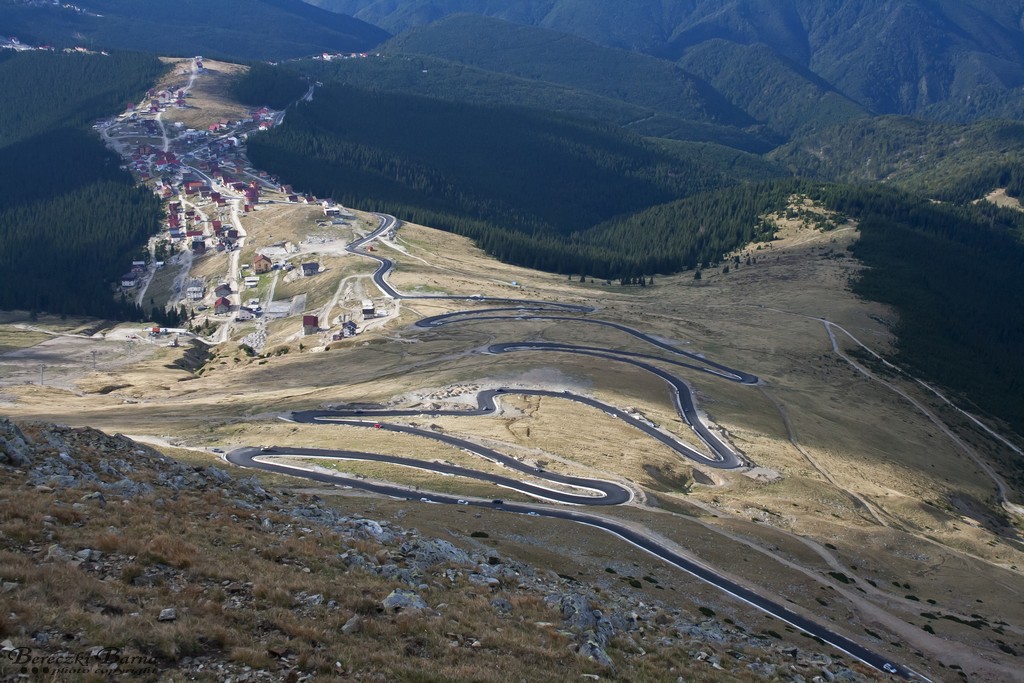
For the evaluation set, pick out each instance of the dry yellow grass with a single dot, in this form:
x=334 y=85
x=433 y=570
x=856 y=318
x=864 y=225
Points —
x=237 y=581
x=12 y=339
x=838 y=439
x=208 y=102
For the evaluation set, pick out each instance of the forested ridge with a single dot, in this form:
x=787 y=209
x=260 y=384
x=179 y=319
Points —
x=45 y=91
x=265 y=85
x=954 y=60
x=950 y=162
x=70 y=218
x=553 y=57
x=583 y=198
x=954 y=275
x=458 y=82
x=528 y=186
x=227 y=29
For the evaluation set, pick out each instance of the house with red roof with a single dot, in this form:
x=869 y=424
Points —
x=222 y=306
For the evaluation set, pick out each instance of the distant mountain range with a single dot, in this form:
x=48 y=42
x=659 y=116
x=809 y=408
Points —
x=948 y=59
x=230 y=29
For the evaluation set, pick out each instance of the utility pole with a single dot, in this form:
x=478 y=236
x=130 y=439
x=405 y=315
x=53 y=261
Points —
x=41 y=366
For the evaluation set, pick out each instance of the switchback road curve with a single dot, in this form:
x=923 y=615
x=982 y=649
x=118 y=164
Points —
x=255 y=458
x=602 y=492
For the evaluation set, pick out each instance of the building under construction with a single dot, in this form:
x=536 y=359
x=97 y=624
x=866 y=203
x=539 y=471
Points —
x=369 y=310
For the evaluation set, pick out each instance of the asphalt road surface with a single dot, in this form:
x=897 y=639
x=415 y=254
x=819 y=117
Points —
x=255 y=458
x=595 y=492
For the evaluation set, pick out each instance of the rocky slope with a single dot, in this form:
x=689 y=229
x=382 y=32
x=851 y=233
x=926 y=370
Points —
x=115 y=559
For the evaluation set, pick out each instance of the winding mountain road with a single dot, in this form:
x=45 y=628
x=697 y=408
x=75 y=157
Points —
x=596 y=492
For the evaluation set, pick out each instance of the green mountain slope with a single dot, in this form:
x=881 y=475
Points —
x=70 y=218
x=235 y=29
x=789 y=98
x=953 y=275
x=528 y=186
x=445 y=79
x=88 y=87
x=397 y=17
x=554 y=57
x=958 y=59
x=954 y=162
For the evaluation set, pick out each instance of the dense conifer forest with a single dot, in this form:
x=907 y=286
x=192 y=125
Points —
x=953 y=274
x=951 y=162
x=546 y=167
x=528 y=186
x=70 y=218
x=235 y=30
x=265 y=85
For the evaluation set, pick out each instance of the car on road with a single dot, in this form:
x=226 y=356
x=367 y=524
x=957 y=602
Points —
x=425 y=500
x=498 y=501
x=216 y=450
x=377 y=425
x=531 y=513
x=461 y=502
x=266 y=448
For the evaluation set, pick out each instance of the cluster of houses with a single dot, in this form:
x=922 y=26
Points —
x=264 y=264
x=160 y=100
x=184 y=172
x=311 y=325
x=133 y=277
x=185 y=226
x=332 y=56
x=196 y=291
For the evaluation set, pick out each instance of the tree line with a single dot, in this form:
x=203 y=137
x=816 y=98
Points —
x=70 y=217
x=531 y=188
x=953 y=275
x=271 y=86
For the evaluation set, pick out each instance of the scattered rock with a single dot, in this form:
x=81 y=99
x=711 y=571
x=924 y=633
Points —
x=373 y=530
x=423 y=553
x=96 y=496
x=55 y=553
x=502 y=605
x=310 y=600
x=353 y=625
x=401 y=600
x=592 y=650
x=575 y=610
x=481 y=580
x=217 y=474
x=100 y=469
x=14 y=449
